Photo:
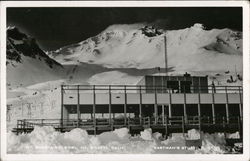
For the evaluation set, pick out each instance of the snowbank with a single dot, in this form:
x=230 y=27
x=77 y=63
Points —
x=213 y=143
x=146 y=134
x=193 y=134
x=47 y=140
x=235 y=135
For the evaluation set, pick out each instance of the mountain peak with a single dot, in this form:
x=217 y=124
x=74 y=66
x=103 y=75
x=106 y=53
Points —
x=19 y=45
x=151 y=31
x=14 y=33
x=198 y=26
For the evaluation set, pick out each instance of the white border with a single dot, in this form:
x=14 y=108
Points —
x=127 y=157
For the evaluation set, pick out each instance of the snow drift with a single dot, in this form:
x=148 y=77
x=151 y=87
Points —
x=47 y=140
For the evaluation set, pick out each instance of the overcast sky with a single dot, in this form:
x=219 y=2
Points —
x=57 y=27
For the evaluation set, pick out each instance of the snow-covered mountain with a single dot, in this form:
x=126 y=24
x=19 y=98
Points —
x=189 y=49
x=26 y=62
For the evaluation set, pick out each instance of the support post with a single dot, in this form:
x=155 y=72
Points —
x=183 y=125
x=241 y=114
x=94 y=109
x=199 y=110
x=240 y=127
x=140 y=107
x=240 y=105
x=199 y=103
x=166 y=127
x=185 y=106
x=166 y=56
x=155 y=106
x=125 y=105
x=78 y=107
x=62 y=106
x=163 y=114
x=227 y=110
x=162 y=85
x=199 y=117
x=170 y=106
x=213 y=111
x=110 y=105
x=224 y=125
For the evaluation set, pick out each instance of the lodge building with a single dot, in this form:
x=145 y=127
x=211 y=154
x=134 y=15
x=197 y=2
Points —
x=155 y=101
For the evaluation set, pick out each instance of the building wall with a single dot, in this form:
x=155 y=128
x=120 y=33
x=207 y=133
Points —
x=150 y=98
x=162 y=81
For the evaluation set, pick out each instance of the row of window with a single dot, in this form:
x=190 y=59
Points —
x=148 y=110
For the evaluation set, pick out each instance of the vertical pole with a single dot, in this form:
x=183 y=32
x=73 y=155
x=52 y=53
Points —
x=170 y=105
x=241 y=114
x=166 y=127
x=94 y=106
x=166 y=56
x=162 y=85
x=183 y=125
x=62 y=106
x=240 y=105
x=110 y=105
x=227 y=110
x=224 y=125
x=199 y=118
x=125 y=105
x=78 y=107
x=213 y=111
x=200 y=87
x=140 y=107
x=155 y=106
x=239 y=127
x=185 y=105
x=199 y=102
x=199 y=110
x=163 y=113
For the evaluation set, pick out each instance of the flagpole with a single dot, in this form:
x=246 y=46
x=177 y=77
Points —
x=165 y=52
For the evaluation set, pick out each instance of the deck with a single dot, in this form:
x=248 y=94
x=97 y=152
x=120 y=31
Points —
x=166 y=126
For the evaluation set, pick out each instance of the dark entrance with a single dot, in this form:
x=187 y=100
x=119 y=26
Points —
x=173 y=85
x=192 y=110
x=185 y=86
x=147 y=110
x=177 y=110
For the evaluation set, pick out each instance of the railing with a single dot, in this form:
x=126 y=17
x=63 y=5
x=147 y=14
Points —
x=149 y=89
x=144 y=121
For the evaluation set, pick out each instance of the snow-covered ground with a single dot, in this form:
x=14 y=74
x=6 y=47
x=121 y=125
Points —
x=47 y=140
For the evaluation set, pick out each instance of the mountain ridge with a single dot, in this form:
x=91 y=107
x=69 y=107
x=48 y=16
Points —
x=26 y=62
x=119 y=47
x=20 y=44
